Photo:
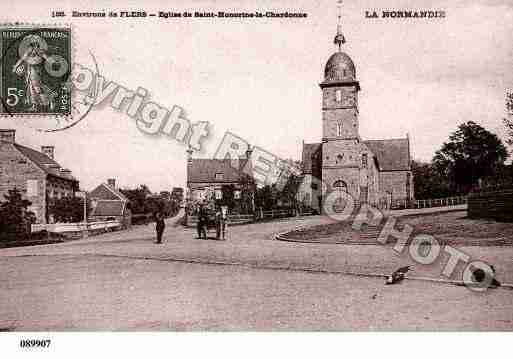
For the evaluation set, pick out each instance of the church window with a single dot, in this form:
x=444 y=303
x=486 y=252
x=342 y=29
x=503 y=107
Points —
x=340 y=186
x=339 y=158
x=364 y=160
x=338 y=95
x=339 y=129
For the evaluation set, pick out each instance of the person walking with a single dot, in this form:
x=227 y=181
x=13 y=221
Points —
x=202 y=223
x=159 y=226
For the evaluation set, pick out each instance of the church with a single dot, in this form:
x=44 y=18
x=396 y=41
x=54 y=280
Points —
x=377 y=172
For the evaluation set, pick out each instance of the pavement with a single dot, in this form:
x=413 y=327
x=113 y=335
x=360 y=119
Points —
x=417 y=211
x=124 y=281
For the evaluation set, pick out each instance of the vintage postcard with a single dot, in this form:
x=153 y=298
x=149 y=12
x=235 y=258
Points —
x=256 y=166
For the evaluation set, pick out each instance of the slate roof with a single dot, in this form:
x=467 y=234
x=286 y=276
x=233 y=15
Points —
x=392 y=155
x=202 y=170
x=310 y=151
x=106 y=192
x=106 y=208
x=42 y=161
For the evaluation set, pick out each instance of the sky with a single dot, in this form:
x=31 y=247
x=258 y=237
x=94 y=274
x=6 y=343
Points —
x=259 y=78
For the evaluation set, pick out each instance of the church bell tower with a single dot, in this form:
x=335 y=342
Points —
x=340 y=137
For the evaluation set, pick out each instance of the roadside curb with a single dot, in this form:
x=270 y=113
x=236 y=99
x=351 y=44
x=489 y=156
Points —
x=459 y=283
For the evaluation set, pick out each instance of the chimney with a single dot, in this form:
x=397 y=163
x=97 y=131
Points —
x=111 y=182
x=48 y=150
x=8 y=135
x=249 y=151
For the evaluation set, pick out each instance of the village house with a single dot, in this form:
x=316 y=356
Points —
x=35 y=174
x=206 y=177
x=108 y=203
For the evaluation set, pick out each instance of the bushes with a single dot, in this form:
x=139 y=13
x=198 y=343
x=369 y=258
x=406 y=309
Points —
x=67 y=209
x=15 y=219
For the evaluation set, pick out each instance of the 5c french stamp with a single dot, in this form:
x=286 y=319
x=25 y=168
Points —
x=35 y=68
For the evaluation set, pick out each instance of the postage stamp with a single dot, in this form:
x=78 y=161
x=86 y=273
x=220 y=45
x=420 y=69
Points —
x=35 y=68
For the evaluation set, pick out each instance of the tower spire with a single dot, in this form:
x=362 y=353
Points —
x=339 y=37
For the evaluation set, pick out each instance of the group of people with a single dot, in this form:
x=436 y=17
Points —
x=205 y=221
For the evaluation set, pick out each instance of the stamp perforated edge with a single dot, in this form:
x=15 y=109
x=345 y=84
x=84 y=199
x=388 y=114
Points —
x=31 y=25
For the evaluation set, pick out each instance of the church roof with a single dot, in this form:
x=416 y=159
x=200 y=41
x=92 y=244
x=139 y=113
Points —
x=202 y=170
x=309 y=150
x=392 y=155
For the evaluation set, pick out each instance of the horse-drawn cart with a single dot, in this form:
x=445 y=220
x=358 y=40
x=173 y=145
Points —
x=212 y=219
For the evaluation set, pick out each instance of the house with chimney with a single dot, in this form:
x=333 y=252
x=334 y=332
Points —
x=206 y=177
x=34 y=173
x=108 y=203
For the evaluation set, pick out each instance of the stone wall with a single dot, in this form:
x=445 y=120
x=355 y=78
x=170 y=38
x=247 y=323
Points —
x=492 y=205
x=15 y=171
x=348 y=118
x=394 y=182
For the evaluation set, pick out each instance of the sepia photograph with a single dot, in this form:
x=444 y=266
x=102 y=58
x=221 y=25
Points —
x=255 y=166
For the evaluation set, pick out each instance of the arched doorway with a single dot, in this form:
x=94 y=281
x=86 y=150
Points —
x=340 y=186
x=340 y=203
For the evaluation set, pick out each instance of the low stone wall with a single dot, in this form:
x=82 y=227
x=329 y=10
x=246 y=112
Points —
x=79 y=230
x=493 y=205
x=232 y=219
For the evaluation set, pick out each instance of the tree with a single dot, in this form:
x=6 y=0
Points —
x=15 y=219
x=247 y=195
x=288 y=195
x=137 y=198
x=177 y=194
x=508 y=122
x=471 y=154
x=68 y=209
x=428 y=182
x=266 y=197
x=153 y=204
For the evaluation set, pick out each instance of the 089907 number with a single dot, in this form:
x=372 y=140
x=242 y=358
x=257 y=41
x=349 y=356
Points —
x=35 y=343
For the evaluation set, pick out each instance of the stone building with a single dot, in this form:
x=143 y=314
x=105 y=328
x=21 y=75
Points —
x=35 y=173
x=108 y=203
x=206 y=177
x=377 y=172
